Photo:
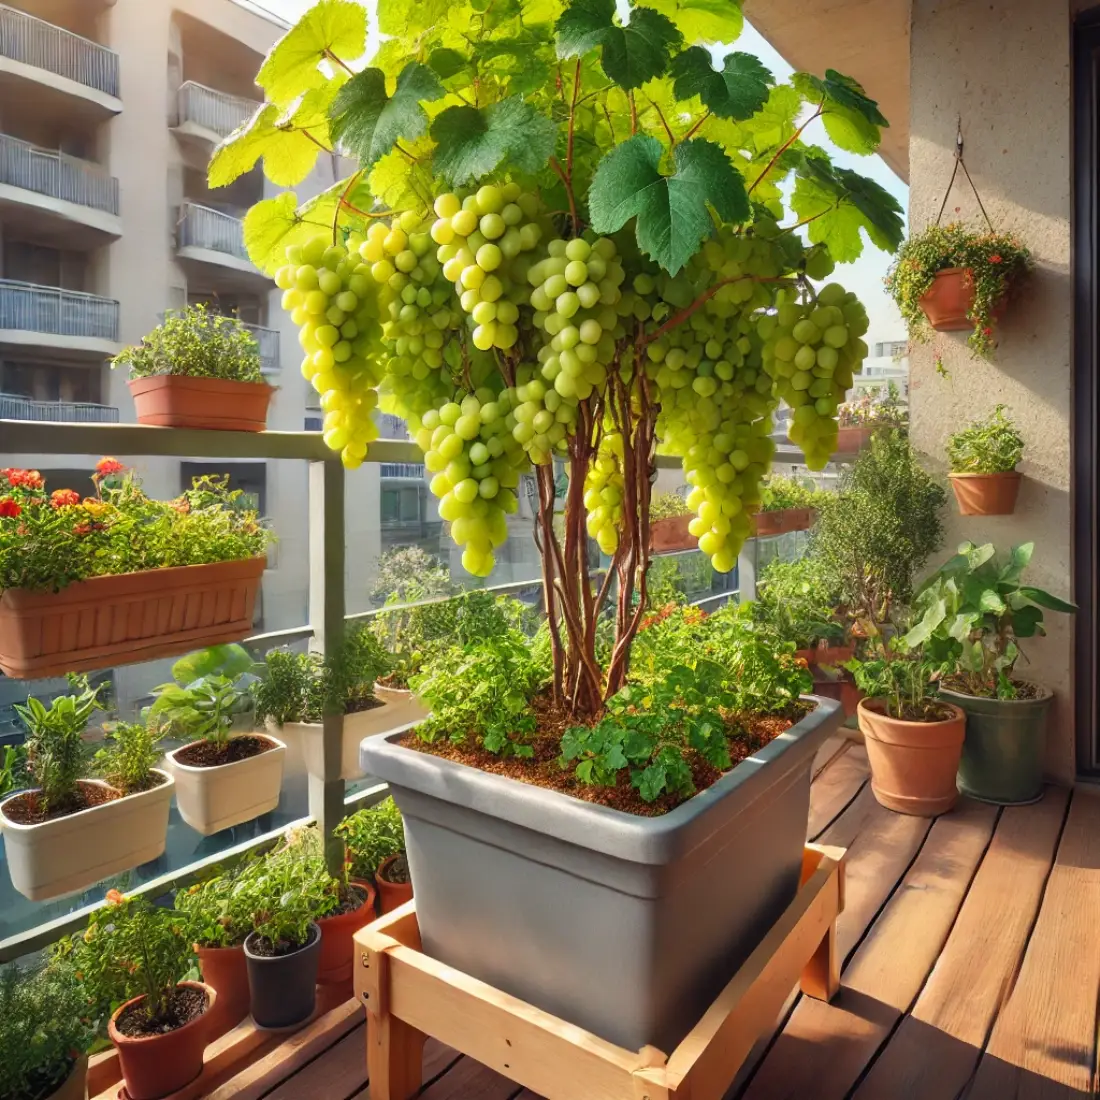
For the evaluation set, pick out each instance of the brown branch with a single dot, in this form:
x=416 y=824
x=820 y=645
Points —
x=668 y=129
x=694 y=128
x=785 y=146
x=544 y=532
x=556 y=165
x=332 y=57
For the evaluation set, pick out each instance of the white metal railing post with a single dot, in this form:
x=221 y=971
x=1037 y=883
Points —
x=211 y=109
x=204 y=227
x=27 y=307
x=49 y=172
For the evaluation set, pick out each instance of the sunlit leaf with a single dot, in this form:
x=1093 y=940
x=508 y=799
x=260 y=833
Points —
x=473 y=142
x=737 y=91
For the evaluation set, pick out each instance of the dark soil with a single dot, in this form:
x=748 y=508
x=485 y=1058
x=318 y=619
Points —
x=355 y=706
x=747 y=733
x=352 y=898
x=184 y=1005
x=1024 y=690
x=397 y=871
x=268 y=950
x=26 y=809
x=206 y=754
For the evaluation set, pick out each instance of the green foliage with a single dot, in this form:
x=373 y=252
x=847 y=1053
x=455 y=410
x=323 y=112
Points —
x=875 y=409
x=797 y=602
x=994 y=262
x=130 y=755
x=974 y=609
x=371 y=836
x=409 y=574
x=44 y=1027
x=673 y=579
x=905 y=678
x=218 y=910
x=668 y=506
x=737 y=91
x=853 y=121
x=13 y=769
x=990 y=446
x=780 y=493
x=196 y=342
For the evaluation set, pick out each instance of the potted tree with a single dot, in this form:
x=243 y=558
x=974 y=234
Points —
x=44 y=1031
x=669 y=520
x=953 y=278
x=374 y=840
x=71 y=830
x=117 y=577
x=223 y=777
x=976 y=609
x=198 y=369
x=983 y=457
x=787 y=504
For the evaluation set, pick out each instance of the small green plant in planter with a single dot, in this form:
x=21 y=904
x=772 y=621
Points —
x=128 y=761
x=983 y=458
x=13 y=769
x=797 y=602
x=374 y=842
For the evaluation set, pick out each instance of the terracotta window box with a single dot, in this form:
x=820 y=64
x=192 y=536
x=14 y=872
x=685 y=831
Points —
x=184 y=401
x=671 y=534
x=782 y=521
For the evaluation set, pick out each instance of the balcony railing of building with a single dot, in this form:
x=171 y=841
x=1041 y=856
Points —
x=402 y=469
x=268 y=339
x=205 y=227
x=35 y=42
x=211 y=109
x=13 y=406
x=47 y=172
x=28 y=307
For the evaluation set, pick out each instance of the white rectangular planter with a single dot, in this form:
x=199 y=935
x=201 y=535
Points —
x=212 y=799
x=404 y=707
x=71 y=853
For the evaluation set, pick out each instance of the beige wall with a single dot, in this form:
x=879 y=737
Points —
x=1006 y=71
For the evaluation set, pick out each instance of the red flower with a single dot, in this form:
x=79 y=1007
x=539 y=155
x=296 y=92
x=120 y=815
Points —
x=996 y=259
x=987 y=331
x=82 y=529
x=107 y=466
x=8 y=507
x=115 y=897
x=63 y=498
x=24 y=479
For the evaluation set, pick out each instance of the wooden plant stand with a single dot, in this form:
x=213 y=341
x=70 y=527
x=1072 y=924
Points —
x=409 y=996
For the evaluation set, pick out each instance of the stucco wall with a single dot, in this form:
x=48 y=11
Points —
x=1006 y=71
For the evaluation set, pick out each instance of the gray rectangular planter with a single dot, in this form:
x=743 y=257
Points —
x=626 y=926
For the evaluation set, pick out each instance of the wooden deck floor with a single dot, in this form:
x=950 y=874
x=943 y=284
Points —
x=972 y=967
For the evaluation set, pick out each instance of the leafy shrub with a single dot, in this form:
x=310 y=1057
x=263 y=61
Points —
x=778 y=493
x=409 y=574
x=875 y=409
x=196 y=342
x=668 y=506
x=797 y=602
x=371 y=836
x=130 y=755
x=218 y=910
x=990 y=446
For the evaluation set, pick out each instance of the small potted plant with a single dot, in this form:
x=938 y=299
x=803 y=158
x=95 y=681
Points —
x=953 y=278
x=787 y=504
x=71 y=830
x=198 y=369
x=669 y=518
x=374 y=839
x=796 y=602
x=117 y=577
x=976 y=609
x=984 y=456
x=224 y=776
x=872 y=411
x=44 y=1031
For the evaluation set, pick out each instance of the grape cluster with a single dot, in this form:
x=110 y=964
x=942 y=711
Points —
x=603 y=492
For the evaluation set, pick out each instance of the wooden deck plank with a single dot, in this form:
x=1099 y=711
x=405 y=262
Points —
x=1044 y=1041
x=835 y=787
x=827 y=753
x=825 y=1047
x=935 y=1050
x=470 y=1080
x=338 y=1073
x=438 y=1059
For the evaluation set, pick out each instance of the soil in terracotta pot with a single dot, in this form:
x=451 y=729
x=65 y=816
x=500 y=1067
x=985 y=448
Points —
x=396 y=871
x=352 y=898
x=1023 y=689
x=205 y=754
x=747 y=733
x=26 y=809
x=394 y=680
x=184 y=1005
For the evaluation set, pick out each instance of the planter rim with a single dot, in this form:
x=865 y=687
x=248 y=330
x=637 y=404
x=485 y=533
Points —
x=1006 y=475
x=314 y=938
x=118 y=1038
x=227 y=949
x=276 y=745
x=6 y=824
x=192 y=381
x=586 y=824
x=1044 y=696
x=388 y=860
x=873 y=705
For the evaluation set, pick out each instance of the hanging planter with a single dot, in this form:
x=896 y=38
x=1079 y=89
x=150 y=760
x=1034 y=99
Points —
x=668 y=535
x=983 y=458
x=782 y=521
x=219 y=404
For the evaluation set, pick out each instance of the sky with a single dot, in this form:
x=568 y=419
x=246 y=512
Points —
x=865 y=276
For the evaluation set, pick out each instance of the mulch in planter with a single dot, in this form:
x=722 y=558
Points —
x=205 y=754
x=398 y=871
x=184 y=1005
x=1024 y=690
x=26 y=809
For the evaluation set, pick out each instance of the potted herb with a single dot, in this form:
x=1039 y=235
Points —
x=787 y=504
x=374 y=840
x=118 y=577
x=198 y=369
x=296 y=690
x=953 y=278
x=870 y=412
x=71 y=830
x=223 y=776
x=797 y=602
x=13 y=769
x=44 y=1032
x=984 y=456
x=976 y=609
x=669 y=517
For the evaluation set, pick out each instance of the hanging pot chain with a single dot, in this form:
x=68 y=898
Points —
x=961 y=163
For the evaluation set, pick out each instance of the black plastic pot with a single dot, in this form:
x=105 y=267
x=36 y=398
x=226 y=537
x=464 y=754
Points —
x=283 y=988
x=1002 y=757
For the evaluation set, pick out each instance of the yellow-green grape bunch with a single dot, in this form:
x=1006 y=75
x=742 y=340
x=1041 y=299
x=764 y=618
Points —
x=603 y=493
x=483 y=243
x=476 y=466
x=331 y=297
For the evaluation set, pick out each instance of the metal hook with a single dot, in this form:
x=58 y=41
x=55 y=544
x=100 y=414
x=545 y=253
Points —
x=959 y=139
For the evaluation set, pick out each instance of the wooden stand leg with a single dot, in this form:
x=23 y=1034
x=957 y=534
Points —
x=395 y=1058
x=821 y=977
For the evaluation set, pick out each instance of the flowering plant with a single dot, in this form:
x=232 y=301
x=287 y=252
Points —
x=992 y=262
x=875 y=408
x=48 y=541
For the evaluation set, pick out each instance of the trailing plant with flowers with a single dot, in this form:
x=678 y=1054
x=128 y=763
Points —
x=993 y=262
x=51 y=540
x=874 y=410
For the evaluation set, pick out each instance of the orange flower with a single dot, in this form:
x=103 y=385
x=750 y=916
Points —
x=64 y=498
x=107 y=466
x=8 y=507
x=24 y=479
x=996 y=259
x=115 y=897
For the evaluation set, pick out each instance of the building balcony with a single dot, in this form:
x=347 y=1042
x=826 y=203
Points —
x=216 y=240
x=61 y=70
x=207 y=115
x=50 y=317
x=13 y=406
x=268 y=339
x=403 y=470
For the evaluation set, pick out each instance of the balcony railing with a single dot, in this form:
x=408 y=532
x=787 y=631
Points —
x=204 y=227
x=61 y=177
x=15 y=407
x=35 y=42
x=211 y=109
x=402 y=469
x=31 y=308
x=268 y=339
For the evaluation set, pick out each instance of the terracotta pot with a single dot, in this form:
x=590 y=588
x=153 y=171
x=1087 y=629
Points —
x=225 y=971
x=948 y=301
x=391 y=895
x=913 y=764
x=782 y=521
x=986 y=494
x=157 y=1065
x=336 y=938
x=123 y=619
x=666 y=535
x=850 y=697
x=181 y=401
x=71 y=853
x=850 y=441
x=806 y=655
x=75 y=1086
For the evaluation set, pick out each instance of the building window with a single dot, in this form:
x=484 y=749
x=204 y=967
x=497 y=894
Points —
x=401 y=504
x=49 y=382
x=891 y=349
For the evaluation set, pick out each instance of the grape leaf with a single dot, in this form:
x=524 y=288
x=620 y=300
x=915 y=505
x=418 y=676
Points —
x=631 y=54
x=398 y=183
x=288 y=156
x=368 y=122
x=273 y=224
x=409 y=20
x=775 y=122
x=671 y=211
x=338 y=27
x=851 y=119
x=737 y=91
x=446 y=63
x=704 y=20
x=472 y=142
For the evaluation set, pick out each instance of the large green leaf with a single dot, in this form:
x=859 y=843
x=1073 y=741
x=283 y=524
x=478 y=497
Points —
x=704 y=20
x=919 y=634
x=472 y=142
x=1045 y=599
x=274 y=224
x=1018 y=560
x=671 y=211
x=851 y=118
x=738 y=90
x=775 y=122
x=337 y=27
x=631 y=54
x=289 y=154
x=368 y=122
